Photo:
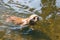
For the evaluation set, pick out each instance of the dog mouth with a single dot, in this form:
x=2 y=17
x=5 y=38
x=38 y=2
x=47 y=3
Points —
x=31 y=22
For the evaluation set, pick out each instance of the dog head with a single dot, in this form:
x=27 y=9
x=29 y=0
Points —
x=33 y=18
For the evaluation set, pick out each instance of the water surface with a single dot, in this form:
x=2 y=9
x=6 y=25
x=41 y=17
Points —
x=47 y=28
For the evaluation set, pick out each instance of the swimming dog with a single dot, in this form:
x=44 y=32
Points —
x=23 y=21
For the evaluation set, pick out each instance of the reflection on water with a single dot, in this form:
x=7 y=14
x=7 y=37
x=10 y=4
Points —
x=34 y=35
x=58 y=3
x=21 y=6
x=46 y=29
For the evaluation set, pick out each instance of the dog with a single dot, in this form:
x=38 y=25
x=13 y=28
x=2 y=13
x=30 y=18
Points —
x=23 y=21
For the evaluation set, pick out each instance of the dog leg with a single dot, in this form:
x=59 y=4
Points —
x=32 y=27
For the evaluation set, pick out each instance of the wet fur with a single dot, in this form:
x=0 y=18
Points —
x=23 y=21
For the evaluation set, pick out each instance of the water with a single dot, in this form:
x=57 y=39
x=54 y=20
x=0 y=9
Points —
x=19 y=5
x=47 y=28
x=57 y=3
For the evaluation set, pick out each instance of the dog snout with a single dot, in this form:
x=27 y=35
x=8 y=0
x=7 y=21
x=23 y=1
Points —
x=31 y=22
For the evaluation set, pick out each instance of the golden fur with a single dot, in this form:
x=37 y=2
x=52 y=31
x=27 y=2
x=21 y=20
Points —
x=21 y=21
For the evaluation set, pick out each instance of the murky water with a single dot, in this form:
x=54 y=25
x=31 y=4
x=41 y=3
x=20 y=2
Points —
x=48 y=28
